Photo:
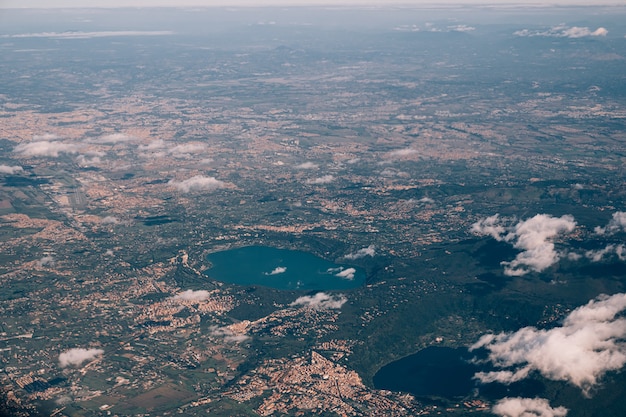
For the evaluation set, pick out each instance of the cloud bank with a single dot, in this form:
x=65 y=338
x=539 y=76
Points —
x=77 y=356
x=362 y=253
x=590 y=343
x=320 y=301
x=534 y=237
x=527 y=407
x=198 y=183
x=563 y=31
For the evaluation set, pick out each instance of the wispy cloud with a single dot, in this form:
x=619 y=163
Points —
x=159 y=148
x=326 y=179
x=112 y=139
x=461 y=28
x=46 y=136
x=6 y=169
x=400 y=154
x=429 y=27
x=110 y=220
x=598 y=255
x=588 y=344
x=320 y=301
x=617 y=224
x=46 y=261
x=307 y=165
x=563 y=31
x=229 y=334
x=534 y=237
x=362 y=253
x=198 y=183
x=277 y=270
x=527 y=407
x=87 y=35
x=46 y=148
x=77 y=356
x=154 y=145
x=90 y=158
x=186 y=150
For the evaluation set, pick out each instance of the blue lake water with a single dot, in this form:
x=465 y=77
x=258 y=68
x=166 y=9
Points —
x=439 y=371
x=282 y=269
x=434 y=371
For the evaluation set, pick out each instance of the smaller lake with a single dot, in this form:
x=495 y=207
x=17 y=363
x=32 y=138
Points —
x=282 y=269
x=439 y=371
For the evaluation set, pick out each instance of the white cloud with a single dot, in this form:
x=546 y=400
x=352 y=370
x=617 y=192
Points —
x=598 y=255
x=326 y=179
x=617 y=224
x=533 y=237
x=320 y=301
x=6 y=169
x=401 y=154
x=186 y=150
x=191 y=295
x=77 y=356
x=277 y=270
x=490 y=226
x=563 y=31
x=198 y=183
x=527 y=407
x=110 y=220
x=159 y=148
x=362 y=253
x=588 y=344
x=46 y=148
x=347 y=273
x=307 y=165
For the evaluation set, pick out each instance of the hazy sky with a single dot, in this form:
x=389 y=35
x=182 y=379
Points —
x=179 y=3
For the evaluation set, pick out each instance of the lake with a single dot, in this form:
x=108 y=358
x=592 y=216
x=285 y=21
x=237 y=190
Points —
x=282 y=269
x=439 y=371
